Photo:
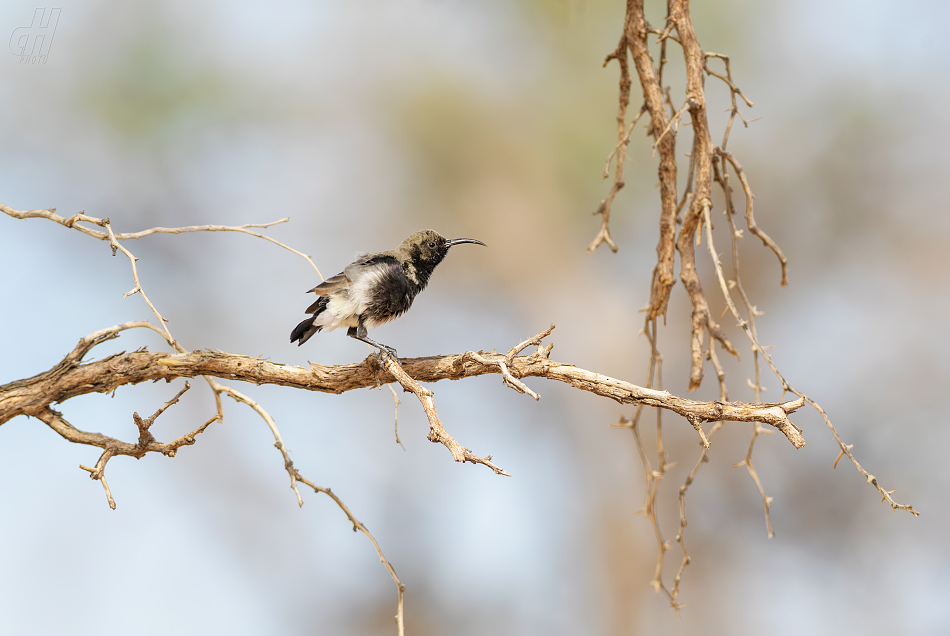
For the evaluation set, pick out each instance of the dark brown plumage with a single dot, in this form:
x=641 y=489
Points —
x=376 y=288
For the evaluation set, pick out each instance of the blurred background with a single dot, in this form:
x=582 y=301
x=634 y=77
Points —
x=364 y=121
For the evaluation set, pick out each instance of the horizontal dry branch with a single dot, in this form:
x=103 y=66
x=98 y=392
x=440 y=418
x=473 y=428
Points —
x=77 y=221
x=70 y=378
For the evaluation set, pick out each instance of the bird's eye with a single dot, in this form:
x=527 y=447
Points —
x=432 y=244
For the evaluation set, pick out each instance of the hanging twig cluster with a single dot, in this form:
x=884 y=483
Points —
x=709 y=164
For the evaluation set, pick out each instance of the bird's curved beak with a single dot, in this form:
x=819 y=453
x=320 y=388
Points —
x=451 y=242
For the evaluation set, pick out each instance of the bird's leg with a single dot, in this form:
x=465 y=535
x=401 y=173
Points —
x=359 y=333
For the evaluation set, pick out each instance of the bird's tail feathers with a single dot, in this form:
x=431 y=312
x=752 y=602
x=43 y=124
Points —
x=318 y=305
x=304 y=330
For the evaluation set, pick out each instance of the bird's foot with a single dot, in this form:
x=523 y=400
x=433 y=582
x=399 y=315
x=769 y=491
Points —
x=385 y=352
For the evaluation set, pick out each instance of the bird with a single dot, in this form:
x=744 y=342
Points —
x=375 y=289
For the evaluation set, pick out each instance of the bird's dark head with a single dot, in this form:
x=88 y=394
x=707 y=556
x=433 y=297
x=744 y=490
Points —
x=427 y=248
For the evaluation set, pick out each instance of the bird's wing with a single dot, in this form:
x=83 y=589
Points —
x=353 y=271
x=330 y=284
x=370 y=263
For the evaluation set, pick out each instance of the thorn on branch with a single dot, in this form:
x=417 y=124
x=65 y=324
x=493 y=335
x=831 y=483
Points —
x=841 y=454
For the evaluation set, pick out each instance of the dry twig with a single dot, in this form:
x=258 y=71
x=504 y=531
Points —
x=437 y=432
x=396 y=404
x=81 y=217
x=845 y=449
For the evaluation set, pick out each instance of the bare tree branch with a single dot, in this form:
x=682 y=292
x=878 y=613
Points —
x=81 y=217
x=70 y=378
